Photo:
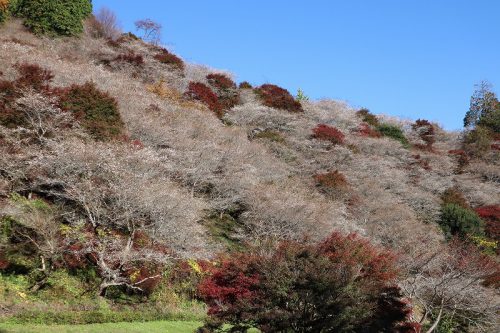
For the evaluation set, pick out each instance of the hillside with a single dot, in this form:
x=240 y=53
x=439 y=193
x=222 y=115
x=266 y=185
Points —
x=168 y=181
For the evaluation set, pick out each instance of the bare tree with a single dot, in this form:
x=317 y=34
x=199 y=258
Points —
x=151 y=30
x=39 y=225
x=106 y=24
x=450 y=281
x=43 y=117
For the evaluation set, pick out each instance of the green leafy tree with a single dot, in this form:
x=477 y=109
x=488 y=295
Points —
x=55 y=17
x=484 y=108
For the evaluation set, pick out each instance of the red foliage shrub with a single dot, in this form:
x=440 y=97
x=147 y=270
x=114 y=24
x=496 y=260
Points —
x=33 y=76
x=491 y=215
x=131 y=58
x=234 y=283
x=331 y=180
x=168 y=58
x=328 y=133
x=366 y=130
x=343 y=283
x=200 y=92
x=73 y=257
x=225 y=90
x=97 y=111
x=4 y=263
x=245 y=85
x=30 y=76
x=146 y=277
x=465 y=257
x=279 y=98
x=220 y=81
x=495 y=146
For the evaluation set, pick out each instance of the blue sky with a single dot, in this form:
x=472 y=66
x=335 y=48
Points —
x=408 y=58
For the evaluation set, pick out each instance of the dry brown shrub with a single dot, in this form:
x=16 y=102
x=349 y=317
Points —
x=173 y=95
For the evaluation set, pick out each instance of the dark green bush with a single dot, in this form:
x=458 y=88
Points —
x=394 y=132
x=97 y=111
x=457 y=220
x=55 y=17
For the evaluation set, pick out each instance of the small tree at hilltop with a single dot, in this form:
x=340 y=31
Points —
x=151 y=30
x=104 y=24
x=484 y=108
x=343 y=284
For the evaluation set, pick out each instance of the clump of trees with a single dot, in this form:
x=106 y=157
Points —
x=482 y=120
x=343 y=284
x=484 y=108
x=54 y=17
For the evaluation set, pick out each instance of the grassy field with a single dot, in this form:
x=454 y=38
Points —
x=148 y=327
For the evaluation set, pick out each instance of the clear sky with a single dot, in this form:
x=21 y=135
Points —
x=408 y=58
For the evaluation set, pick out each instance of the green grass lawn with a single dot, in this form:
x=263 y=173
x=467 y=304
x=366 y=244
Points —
x=148 y=327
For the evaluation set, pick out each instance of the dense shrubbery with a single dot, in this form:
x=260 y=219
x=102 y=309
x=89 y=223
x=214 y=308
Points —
x=393 y=132
x=55 y=17
x=201 y=92
x=477 y=142
x=97 y=111
x=457 y=220
x=328 y=133
x=277 y=97
x=225 y=89
x=366 y=130
x=220 y=81
x=368 y=117
x=165 y=57
x=343 y=284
